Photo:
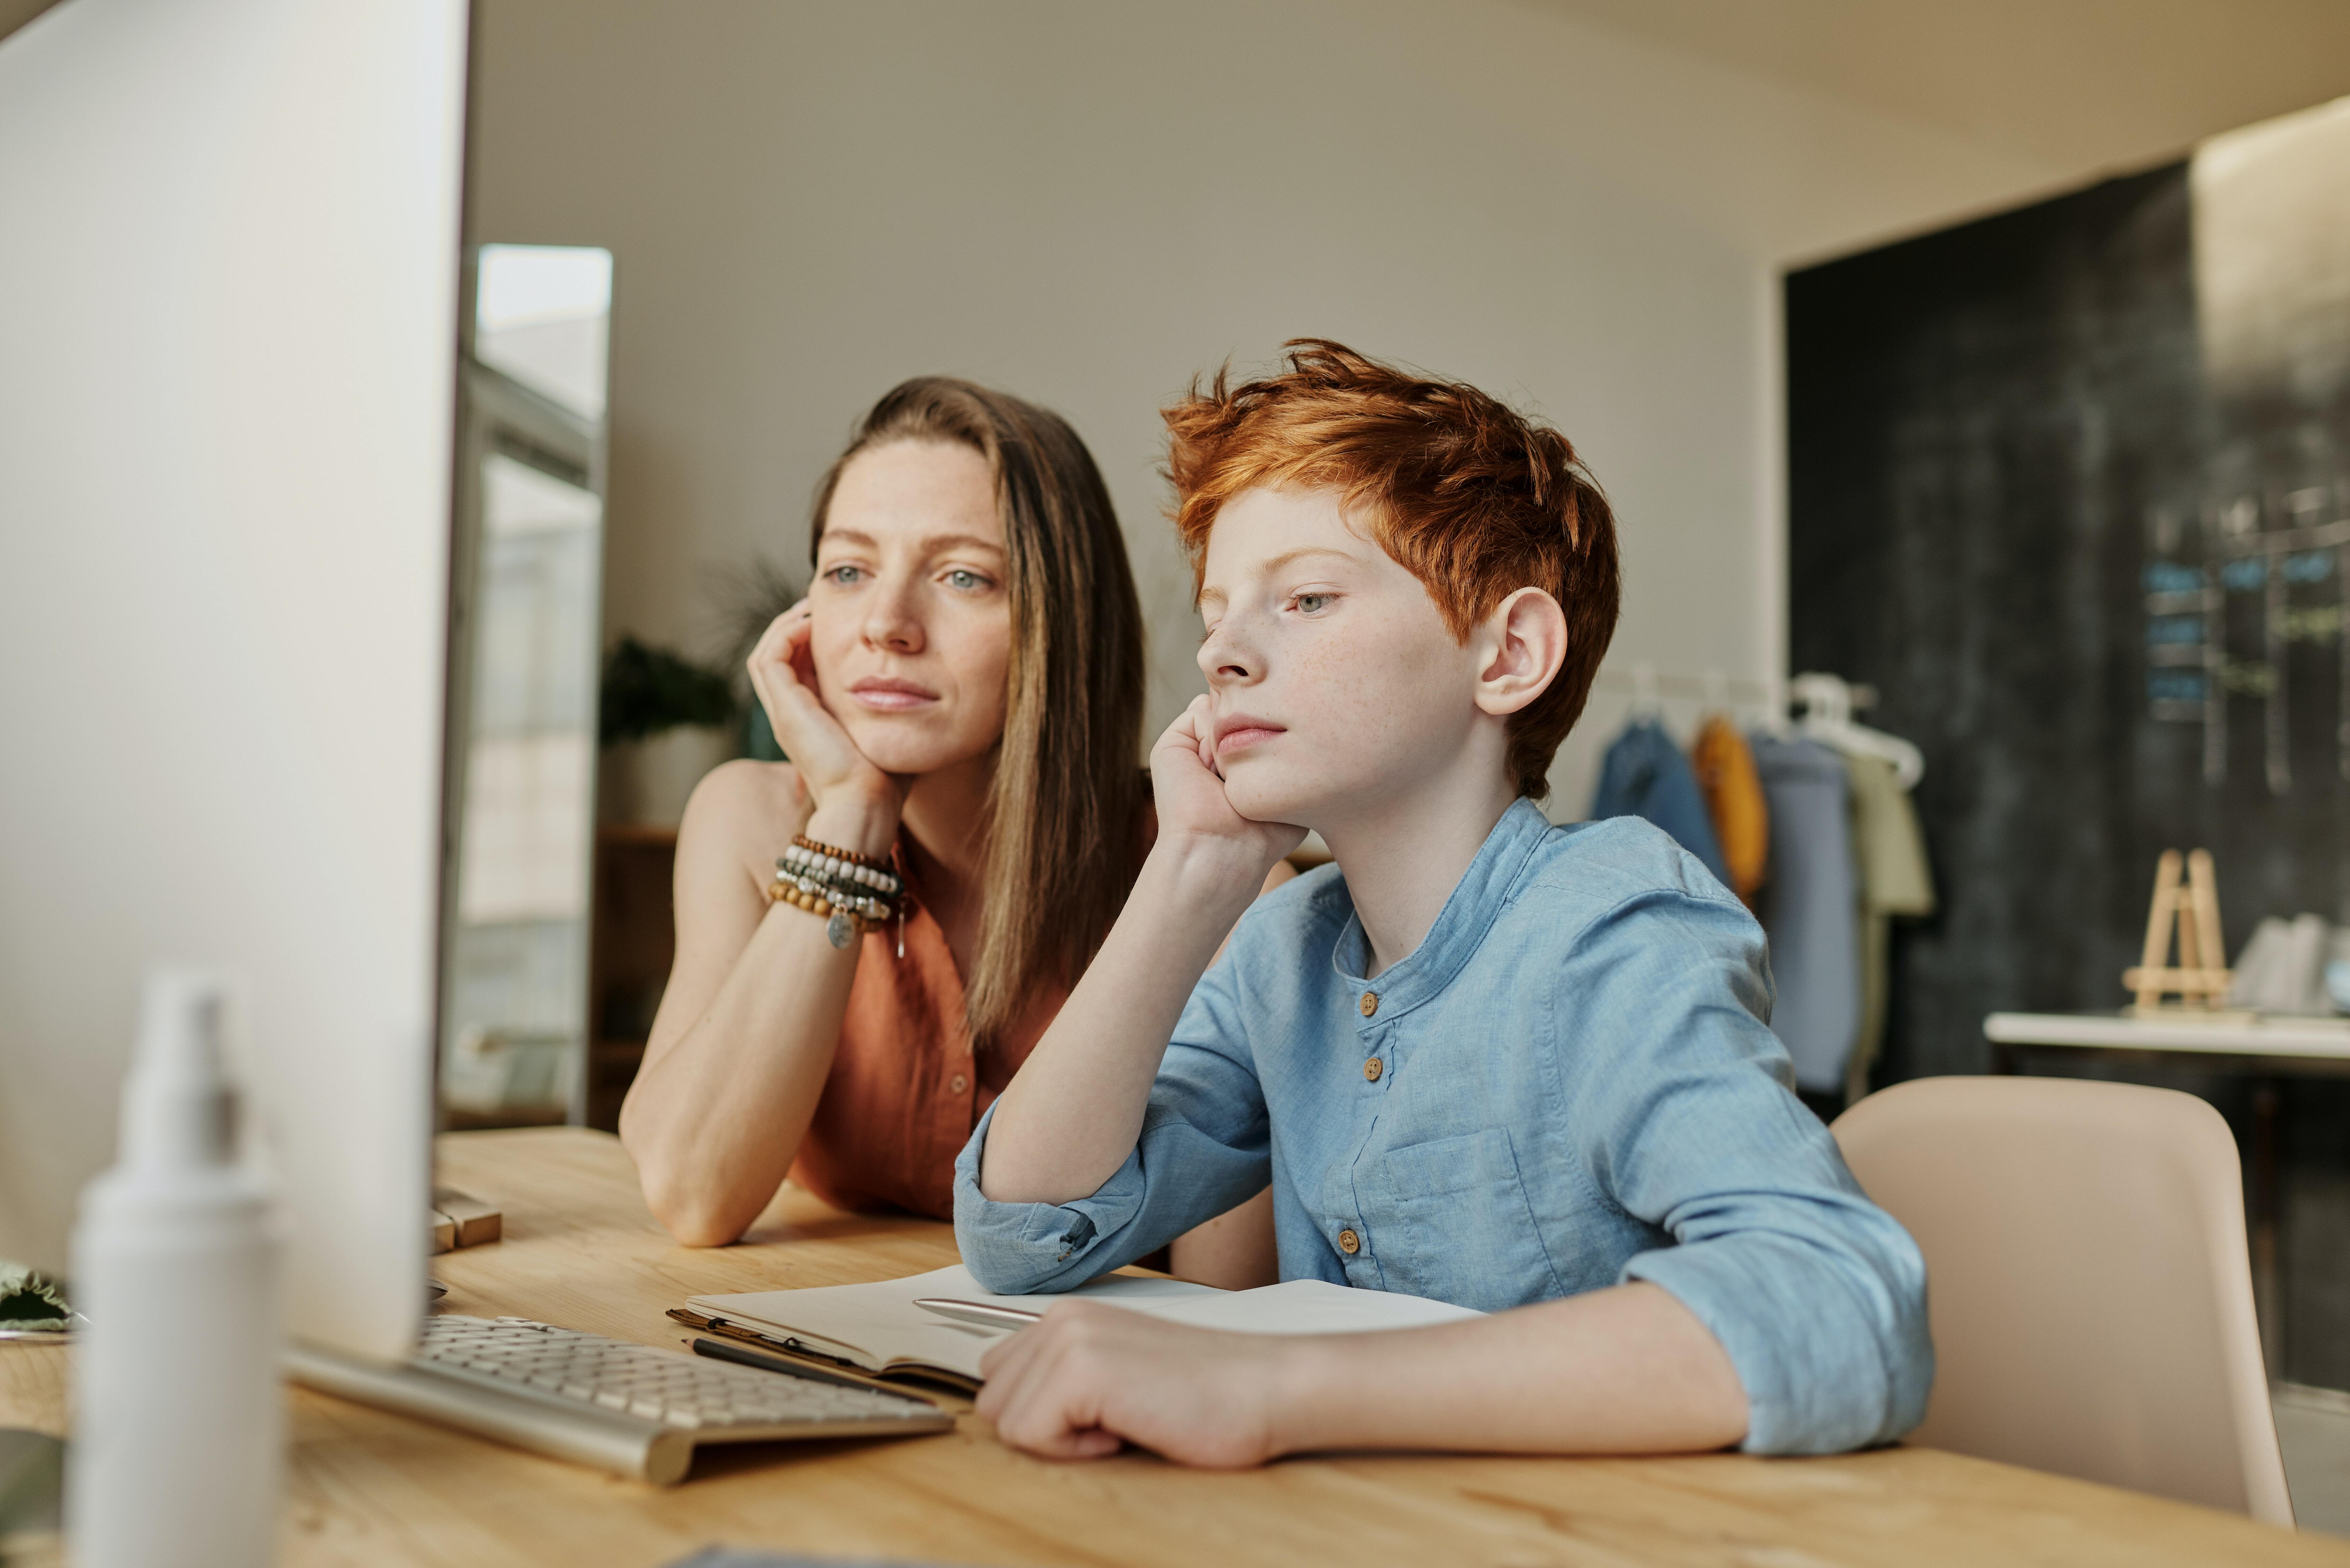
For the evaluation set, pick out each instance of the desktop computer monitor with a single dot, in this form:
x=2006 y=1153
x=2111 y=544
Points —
x=228 y=289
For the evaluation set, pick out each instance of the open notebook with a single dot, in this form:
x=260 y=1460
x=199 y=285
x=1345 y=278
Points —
x=878 y=1329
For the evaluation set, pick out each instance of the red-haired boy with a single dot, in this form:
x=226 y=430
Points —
x=1517 y=1067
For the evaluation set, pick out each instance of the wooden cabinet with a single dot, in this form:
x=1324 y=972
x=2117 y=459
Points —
x=633 y=940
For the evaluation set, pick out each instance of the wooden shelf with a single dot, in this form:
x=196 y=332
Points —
x=629 y=953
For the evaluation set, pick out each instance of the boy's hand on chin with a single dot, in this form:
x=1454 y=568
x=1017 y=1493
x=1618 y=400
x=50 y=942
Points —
x=1090 y=1377
x=1190 y=798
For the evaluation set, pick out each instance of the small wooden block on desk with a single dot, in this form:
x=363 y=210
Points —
x=460 y=1219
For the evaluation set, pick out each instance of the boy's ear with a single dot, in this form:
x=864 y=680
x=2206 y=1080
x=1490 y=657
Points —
x=1522 y=644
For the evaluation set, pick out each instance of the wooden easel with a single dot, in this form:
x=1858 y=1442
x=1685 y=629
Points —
x=2192 y=904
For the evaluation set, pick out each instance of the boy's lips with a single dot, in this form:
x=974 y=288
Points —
x=1242 y=731
x=888 y=694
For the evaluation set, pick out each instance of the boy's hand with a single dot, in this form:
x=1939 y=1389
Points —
x=1090 y=1377
x=1192 y=805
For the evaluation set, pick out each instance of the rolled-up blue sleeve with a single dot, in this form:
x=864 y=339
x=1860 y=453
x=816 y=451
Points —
x=1817 y=1295
x=1204 y=1148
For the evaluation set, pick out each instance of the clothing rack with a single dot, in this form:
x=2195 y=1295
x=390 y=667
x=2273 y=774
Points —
x=1645 y=683
x=1648 y=689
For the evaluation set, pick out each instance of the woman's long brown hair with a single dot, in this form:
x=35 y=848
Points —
x=1063 y=816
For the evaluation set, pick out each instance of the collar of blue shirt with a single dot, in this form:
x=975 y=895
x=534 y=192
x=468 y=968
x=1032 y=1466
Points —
x=1461 y=926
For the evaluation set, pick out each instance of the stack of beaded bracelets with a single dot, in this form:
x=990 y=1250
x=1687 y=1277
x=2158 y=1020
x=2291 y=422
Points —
x=857 y=892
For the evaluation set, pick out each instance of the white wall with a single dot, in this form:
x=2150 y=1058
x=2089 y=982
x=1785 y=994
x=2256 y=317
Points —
x=1085 y=204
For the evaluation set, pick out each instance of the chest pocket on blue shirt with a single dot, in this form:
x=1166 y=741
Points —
x=1467 y=1233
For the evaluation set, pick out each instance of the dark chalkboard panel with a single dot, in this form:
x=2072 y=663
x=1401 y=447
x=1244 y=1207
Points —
x=2018 y=511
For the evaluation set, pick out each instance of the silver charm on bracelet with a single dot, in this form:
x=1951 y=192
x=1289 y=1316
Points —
x=841 y=929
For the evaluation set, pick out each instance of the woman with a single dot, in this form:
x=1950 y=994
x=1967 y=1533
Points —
x=960 y=697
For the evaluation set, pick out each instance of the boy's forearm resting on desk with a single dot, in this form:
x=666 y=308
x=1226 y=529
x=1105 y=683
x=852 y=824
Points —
x=1623 y=1370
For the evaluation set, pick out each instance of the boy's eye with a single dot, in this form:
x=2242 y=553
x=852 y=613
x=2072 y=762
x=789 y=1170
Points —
x=1312 y=604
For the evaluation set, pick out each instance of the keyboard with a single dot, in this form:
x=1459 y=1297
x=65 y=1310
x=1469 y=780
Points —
x=629 y=1408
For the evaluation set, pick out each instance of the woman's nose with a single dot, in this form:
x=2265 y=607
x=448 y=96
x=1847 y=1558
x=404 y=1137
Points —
x=892 y=621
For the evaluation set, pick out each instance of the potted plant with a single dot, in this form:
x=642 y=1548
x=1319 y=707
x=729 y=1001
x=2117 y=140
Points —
x=663 y=721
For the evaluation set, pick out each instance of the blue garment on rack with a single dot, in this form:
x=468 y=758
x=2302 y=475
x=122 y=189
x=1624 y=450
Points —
x=1645 y=774
x=1810 y=907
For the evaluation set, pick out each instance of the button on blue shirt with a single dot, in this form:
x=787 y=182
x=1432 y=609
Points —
x=1578 y=1087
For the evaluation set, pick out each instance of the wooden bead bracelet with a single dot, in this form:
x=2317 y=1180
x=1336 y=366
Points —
x=853 y=893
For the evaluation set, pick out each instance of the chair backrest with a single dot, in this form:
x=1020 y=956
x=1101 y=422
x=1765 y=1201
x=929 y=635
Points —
x=2087 y=1279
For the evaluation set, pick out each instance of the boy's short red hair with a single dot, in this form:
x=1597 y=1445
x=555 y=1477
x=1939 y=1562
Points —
x=1473 y=499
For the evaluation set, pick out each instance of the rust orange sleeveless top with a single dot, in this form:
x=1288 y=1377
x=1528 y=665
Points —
x=906 y=1087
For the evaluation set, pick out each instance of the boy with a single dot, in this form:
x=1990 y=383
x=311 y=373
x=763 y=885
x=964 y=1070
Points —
x=1513 y=1066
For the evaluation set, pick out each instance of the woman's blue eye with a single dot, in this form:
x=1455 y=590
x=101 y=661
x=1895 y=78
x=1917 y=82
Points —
x=843 y=576
x=962 y=579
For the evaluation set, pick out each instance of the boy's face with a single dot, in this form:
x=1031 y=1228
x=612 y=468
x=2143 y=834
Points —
x=1334 y=683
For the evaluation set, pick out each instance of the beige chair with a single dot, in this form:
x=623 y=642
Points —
x=2087 y=1275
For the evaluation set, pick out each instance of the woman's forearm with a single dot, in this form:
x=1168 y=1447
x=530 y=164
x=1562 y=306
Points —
x=744 y=1038
x=1626 y=1370
x=1072 y=1114
x=717 y=1112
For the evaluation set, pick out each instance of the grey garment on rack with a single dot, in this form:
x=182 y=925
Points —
x=1810 y=907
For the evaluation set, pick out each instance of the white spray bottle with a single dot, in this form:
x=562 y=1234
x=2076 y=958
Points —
x=179 y=1416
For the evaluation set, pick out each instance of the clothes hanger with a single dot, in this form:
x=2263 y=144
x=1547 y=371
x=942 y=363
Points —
x=1774 y=719
x=1827 y=702
x=1647 y=701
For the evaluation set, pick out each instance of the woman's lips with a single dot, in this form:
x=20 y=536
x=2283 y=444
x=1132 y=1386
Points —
x=886 y=695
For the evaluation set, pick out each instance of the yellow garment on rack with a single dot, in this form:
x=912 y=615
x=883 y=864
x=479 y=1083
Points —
x=1733 y=799
x=1894 y=880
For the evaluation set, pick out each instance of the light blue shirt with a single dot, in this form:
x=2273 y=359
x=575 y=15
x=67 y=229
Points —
x=1570 y=1085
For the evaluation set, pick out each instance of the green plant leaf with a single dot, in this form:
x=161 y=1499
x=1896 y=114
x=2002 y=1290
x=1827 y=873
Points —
x=649 y=690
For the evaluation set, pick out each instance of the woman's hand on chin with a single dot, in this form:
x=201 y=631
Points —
x=853 y=798
x=1194 y=811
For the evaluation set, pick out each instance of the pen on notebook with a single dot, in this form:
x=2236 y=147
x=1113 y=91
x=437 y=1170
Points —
x=981 y=1312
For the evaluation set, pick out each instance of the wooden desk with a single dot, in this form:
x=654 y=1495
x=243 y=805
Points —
x=367 y=1487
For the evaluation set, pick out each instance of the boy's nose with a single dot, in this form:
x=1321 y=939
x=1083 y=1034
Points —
x=1225 y=663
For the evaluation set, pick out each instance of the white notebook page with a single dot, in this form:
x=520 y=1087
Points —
x=874 y=1324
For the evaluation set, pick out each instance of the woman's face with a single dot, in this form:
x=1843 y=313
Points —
x=911 y=617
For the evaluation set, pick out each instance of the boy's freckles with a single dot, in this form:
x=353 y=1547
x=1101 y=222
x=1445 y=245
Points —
x=1361 y=689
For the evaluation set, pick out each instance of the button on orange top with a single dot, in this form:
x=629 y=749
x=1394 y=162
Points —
x=1371 y=1070
x=959 y=1082
x=1350 y=1243
x=1370 y=1002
